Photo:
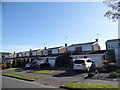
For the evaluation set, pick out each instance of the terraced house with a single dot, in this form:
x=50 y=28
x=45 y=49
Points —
x=113 y=45
x=80 y=50
x=4 y=57
x=85 y=47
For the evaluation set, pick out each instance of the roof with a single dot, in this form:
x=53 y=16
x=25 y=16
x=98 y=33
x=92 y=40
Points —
x=111 y=40
x=98 y=52
x=5 y=53
x=83 y=43
x=55 y=47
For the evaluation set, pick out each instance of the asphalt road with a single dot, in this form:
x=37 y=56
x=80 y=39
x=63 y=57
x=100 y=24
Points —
x=8 y=82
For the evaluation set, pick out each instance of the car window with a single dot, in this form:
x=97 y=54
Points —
x=89 y=61
x=79 y=61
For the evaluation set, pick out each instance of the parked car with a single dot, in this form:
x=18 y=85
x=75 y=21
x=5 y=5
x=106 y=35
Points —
x=36 y=64
x=82 y=64
x=27 y=66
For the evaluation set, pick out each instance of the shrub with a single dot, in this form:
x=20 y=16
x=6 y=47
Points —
x=7 y=65
x=4 y=66
x=45 y=65
x=111 y=65
x=64 y=60
x=113 y=75
x=118 y=71
x=91 y=74
x=107 y=66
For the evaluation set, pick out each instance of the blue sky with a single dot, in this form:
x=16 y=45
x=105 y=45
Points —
x=35 y=25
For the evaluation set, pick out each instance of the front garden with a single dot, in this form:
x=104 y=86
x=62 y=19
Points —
x=88 y=86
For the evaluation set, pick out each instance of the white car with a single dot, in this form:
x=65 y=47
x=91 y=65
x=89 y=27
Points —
x=82 y=64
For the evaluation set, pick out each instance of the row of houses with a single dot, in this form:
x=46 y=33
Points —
x=89 y=49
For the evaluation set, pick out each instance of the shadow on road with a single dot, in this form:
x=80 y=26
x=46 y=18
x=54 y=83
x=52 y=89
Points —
x=69 y=72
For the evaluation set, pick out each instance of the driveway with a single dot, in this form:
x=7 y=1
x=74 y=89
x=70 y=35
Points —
x=64 y=75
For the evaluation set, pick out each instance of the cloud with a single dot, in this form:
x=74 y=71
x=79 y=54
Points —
x=18 y=48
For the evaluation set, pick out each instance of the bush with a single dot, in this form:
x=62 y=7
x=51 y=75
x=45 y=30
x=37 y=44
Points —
x=111 y=65
x=91 y=74
x=113 y=75
x=4 y=66
x=118 y=71
x=45 y=65
x=64 y=60
x=107 y=66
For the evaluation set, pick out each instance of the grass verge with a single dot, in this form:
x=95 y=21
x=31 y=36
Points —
x=89 y=86
x=22 y=76
x=41 y=71
x=12 y=69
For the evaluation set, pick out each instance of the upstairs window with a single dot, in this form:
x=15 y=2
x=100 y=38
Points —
x=54 y=51
x=45 y=52
x=27 y=54
x=20 y=55
x=87 y=48
x=112 y=45
x=71 y=48
x=34 y=53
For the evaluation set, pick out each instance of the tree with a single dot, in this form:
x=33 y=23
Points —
x=115 y=9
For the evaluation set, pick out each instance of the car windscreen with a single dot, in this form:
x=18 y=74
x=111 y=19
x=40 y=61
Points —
x=89 y=61
x=79 y=61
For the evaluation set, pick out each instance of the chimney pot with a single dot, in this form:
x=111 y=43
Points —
x=45 y=48
x=96 y=40
x=66 y=45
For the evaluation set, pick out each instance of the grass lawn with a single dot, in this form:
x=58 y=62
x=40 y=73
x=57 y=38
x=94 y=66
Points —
x=23 y=76
x=41 y=71
x=90 y=86
x=12 y=69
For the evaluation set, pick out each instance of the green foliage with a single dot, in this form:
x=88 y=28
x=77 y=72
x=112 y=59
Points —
x=113 y=75
x=107 y=66
x=19 y=63
x=12 y=69
x=4 y=66
x=14 y=64
x=118 y=71
x=111 y=65
x=41 y=71
x=64 y=60
x=23 y=76
x=88 y=86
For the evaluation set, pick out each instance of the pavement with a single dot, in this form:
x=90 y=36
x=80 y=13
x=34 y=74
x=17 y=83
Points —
x=62 y=76
x=15 y=83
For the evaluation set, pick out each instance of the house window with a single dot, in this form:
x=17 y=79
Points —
x=27 y=54
x=20 y=55
x=33 y=53
x=15 y=55
x=112 y=45
x=6 y=56
x=71 y=48
x=54 y=51
x=86 y=48
x=45 y=52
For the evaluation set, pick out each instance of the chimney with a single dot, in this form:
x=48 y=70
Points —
x=14 y=52
x=30 y=49
x=96 y=40
x=45 y=48
x=65 y=44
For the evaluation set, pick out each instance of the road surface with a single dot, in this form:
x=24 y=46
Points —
x=8 y=82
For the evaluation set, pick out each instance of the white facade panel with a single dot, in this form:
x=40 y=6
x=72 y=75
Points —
x=95 y=57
